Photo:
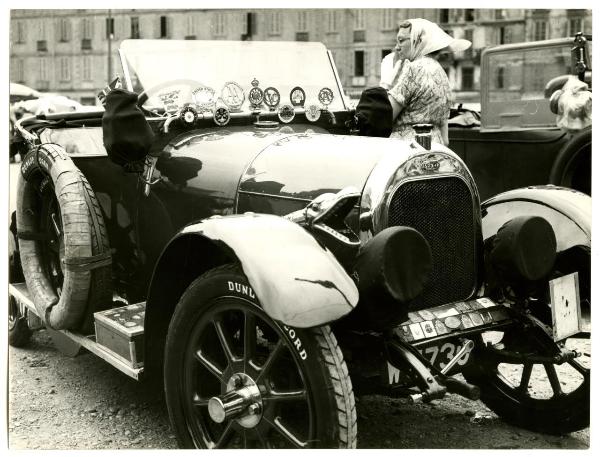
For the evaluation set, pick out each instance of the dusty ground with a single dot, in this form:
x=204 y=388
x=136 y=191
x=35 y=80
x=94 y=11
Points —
x=56 y=402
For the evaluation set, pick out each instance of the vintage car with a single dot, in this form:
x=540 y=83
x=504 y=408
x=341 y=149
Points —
x=515 y=141
x=266 y=262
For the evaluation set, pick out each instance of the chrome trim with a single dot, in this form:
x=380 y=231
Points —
x=28 y=136
x=125 y=68
x=337 y=79
x=393 y=170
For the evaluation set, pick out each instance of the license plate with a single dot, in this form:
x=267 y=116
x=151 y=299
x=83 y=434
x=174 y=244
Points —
x=566 y=309
x=438 y=356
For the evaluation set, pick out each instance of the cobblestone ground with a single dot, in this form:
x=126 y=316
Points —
x=56 y=402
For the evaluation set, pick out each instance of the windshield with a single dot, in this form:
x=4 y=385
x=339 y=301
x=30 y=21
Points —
x=175 y=67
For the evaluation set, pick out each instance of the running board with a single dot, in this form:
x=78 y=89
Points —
x=111 y=349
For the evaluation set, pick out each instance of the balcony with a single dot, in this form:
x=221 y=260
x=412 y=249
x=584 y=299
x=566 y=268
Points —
x=86 y=44
x=42 y=85
x=359 y=36
x=42 y=46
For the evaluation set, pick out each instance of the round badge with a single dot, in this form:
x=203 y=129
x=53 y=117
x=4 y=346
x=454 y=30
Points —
x=326 y=96
x=204 y=97
x=297 y=96
x=452 y=322
x=286 y=113
x=313 y=113
x=272 y=97
x=233 y=95
x=221 y=116
x=188 y=114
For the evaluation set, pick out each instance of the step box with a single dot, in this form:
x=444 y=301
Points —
x=121 y=331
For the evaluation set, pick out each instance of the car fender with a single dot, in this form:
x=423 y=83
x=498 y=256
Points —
x=572 y=166
x=297 y=281
x=568 y=211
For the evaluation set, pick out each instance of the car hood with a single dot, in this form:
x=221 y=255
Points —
x=297 y=164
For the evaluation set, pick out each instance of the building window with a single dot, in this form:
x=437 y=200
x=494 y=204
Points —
x=467 y=78
x=135 y=27
x=302 y=23
x=444 y=16
x=274 y=23
x=469 y=36
x=164 y=27
x=63 y=29
x=190 y=28
x=469 y=15
x=359 y=63
x=359 y=36
x=65 y=69
x=42 y=46
x=86 y=68
x=302 y=36
x=575 y=26
x=110 y=27
x=332 y=21
x=359 y=20
x=500 y=14
x=539 y=28
x=20 y=38
x=219 y=24
x=86 y=29
x=388 y=19
x=500 y=78
x=43 y=69
x=86 y=44
x=501 y=35
x=19 y=71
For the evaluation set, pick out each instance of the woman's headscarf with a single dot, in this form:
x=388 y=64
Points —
x=427 y=37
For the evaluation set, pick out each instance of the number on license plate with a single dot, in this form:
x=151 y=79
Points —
x=438 y=356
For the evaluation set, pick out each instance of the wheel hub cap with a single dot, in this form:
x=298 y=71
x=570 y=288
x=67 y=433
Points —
x=241 y=401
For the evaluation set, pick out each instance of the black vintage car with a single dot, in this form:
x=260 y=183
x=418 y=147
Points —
x=514 y=140
x=266 y=262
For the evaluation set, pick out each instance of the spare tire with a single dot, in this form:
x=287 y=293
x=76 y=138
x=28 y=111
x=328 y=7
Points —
x=63 y=242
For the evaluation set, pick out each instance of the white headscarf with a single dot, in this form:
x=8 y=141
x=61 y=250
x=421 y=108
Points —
x=427 y=37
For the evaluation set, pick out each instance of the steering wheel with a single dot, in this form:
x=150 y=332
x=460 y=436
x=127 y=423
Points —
x=145 y=95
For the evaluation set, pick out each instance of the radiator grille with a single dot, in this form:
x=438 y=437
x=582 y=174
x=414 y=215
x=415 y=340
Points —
x=441 y=210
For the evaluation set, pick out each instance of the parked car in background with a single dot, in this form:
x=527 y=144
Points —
x=221 y=227
x=518 y=142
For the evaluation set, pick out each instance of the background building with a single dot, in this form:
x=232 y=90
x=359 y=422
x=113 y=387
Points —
x=67 y=51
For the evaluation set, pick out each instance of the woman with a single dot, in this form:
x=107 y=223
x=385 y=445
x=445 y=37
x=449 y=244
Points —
x=417 y=85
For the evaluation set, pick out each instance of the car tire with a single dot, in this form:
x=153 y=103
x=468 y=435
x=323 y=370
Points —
x=573 y=165
x=63 y=243
x=206 y=348
x=19 y=333
x=522 y=404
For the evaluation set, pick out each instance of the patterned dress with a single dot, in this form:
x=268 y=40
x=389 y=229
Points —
x=423 y=92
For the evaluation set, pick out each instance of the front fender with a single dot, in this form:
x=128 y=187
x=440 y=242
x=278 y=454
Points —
x=297 y=280
x=568 y=211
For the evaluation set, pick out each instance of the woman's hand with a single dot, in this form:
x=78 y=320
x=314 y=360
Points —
x=390 y=67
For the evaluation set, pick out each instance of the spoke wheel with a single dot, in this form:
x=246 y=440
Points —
x=544 y=397
x=54 y=249
x=234 y=378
